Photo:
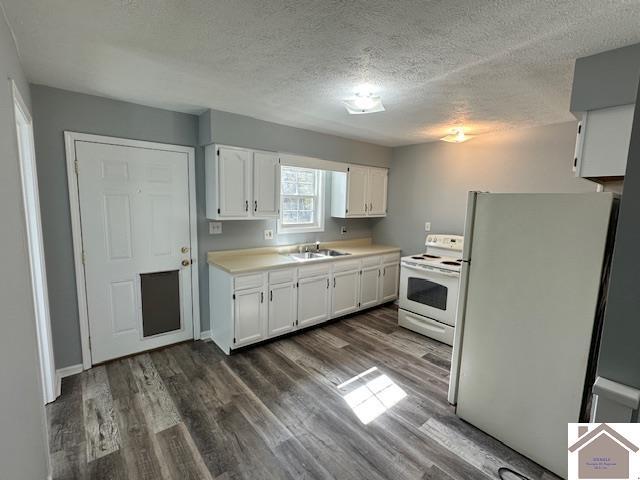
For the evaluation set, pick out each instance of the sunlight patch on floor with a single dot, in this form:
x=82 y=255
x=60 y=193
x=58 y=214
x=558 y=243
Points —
x=371 y=393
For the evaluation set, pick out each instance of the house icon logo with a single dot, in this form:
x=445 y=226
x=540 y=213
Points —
x=603 y=452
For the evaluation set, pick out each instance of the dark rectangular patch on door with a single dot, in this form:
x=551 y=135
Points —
x=160 y=302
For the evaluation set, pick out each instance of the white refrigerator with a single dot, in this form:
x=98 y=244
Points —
x=532 y=293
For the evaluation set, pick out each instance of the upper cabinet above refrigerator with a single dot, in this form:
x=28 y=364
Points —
x=359 y=192
x=602 y=143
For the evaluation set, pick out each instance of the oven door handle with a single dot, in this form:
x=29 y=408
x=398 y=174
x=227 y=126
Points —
x=430 y=269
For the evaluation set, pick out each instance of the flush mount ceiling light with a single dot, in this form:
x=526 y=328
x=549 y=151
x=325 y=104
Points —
x=457 y=136
x=363 y=102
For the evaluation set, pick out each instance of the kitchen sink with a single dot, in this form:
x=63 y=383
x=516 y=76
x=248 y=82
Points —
x=315 y=255
x=331 y=253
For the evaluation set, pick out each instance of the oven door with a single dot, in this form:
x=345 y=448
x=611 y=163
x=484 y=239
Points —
x=429 y=291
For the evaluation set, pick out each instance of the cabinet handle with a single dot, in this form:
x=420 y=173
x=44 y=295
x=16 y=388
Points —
x=255 y=205
x=370 y=206
x=378 y=273
x=334 y=282
x=271 y=296
x=384 y=271
x=246 y=205
x=261 y=297
x=327 y=283
x=365 y=207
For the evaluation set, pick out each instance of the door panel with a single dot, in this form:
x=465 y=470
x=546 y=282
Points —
x=369 y=289
x=313 y=300
x=233 y=182
x=357 y=191
x=389 y=283
x=346 y=286
x=282 y=308
x=266 y=184
x=247 y=312
x=134 y=207
x=377 y=191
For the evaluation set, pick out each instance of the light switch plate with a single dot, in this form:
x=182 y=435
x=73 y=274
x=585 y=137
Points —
x=268 y=234
x=215 y=228
x=427 y=226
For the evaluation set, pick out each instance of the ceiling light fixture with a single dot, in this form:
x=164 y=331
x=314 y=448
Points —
x=363 y=102
x=457 y=136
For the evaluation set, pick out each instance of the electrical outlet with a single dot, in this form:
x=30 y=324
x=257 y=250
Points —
x=343 y=230
x=268 y=234
x=215 y=228
x=427 y=226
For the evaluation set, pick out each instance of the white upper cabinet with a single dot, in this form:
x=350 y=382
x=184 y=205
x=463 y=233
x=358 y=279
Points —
x=241 y=183
x=359 y=192
x=266 y=184
x=602 y=142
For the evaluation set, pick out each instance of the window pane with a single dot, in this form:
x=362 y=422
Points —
x=289 y=217
x=305 y=216
x=299 y=196
x=306 y=176
x=306 y=189
x=288 y=175
x=289 y=203
x=288 y=188
x=306 y=203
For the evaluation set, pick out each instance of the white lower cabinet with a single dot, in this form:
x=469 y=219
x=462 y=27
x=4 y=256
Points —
x=249 y=316
x=389 y=282
x=369 y=286
x=313 y=300
x=282 y=308
x=252 y=307
x=346 y=292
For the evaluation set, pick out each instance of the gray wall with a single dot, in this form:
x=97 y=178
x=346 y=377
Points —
x=23 y=448
x=619 y=358
x=429 y=182
x=55 y=111
x=606 y=79
x=58 y=110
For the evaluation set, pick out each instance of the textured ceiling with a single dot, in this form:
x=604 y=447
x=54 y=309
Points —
x=486 y=64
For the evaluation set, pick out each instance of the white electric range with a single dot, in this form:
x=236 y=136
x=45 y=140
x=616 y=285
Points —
x=429 y=285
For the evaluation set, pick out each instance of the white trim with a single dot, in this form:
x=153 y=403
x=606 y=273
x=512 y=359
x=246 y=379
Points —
x=66 y=372
x=292 y=160
x=205 y=335
x=74 y=201
x=33 y=222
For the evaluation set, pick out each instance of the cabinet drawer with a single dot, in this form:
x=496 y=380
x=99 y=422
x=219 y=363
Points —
x=314 y=270
x=346 y=265
x=282 y=276
x=253 y=280
x=391 y=257
x=370 y=261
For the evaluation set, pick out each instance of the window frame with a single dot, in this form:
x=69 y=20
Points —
x=318 y=225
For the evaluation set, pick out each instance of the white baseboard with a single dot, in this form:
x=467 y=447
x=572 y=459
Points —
x=66 y=372
x=205 y=335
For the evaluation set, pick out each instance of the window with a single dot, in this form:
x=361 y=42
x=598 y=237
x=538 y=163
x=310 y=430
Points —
x=301 y=197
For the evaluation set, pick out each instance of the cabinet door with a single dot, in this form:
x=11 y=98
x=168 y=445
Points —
x=377 y=192
x=389 y=283
x=369 y=286
x=233 y=182
x=346 y=286
x=266 y=184
x=282 y=309
x=357 y=204
x=248 y=316
x=313 y=300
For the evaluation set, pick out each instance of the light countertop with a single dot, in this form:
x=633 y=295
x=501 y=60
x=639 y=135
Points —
x=256 y=259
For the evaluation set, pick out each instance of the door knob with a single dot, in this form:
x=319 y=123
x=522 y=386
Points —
x=186 y=263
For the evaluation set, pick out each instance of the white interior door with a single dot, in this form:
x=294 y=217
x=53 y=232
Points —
x=377 y=191
x=266 y=184
x=234 y=182
x=357 y=191
x=134 y=209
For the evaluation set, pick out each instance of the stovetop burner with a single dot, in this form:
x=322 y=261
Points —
x=418 y=258
x=451 y=262
x=427 y=255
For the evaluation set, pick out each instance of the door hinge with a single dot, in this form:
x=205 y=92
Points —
x=218 y=154
x=234 y=296
x=84 y=258
x=234 y=339
x=346 y=210
x=297 y=284
x=218 y=211
x=358 y=303
x=75 y=166
x=348 y=169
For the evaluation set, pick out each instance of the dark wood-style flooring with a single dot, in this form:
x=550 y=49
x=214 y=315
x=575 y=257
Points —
x=359 y=398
